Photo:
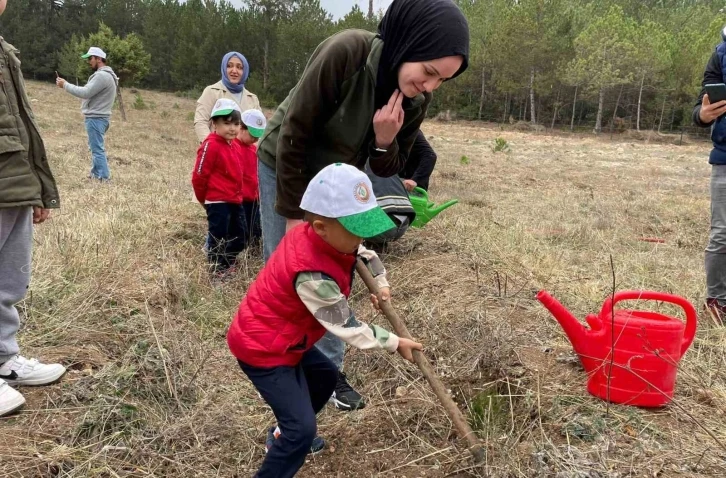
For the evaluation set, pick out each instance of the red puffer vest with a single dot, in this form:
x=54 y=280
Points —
x=273 y=327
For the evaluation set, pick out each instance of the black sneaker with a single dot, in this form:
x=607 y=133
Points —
x=344 y=397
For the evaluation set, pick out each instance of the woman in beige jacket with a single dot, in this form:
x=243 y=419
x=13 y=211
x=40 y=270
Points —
x=235 y=71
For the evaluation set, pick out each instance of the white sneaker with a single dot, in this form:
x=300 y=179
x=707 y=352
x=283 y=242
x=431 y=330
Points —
x=10 y=399
x=21 y=371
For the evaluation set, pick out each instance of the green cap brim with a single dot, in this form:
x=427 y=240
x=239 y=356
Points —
x=87 y=55
x=367 y=224
x=256 y=132
x=226 y=112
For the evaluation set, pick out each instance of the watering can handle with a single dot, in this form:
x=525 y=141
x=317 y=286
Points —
x=691 y=317
x=421 y=192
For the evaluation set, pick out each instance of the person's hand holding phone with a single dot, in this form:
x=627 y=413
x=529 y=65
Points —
x=711 y=111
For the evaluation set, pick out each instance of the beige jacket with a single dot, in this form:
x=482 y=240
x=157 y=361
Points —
x=206 y=102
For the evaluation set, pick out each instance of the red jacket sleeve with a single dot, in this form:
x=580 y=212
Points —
x=203 y=167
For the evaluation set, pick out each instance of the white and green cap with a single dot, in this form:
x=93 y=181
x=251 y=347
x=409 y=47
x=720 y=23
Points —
x=255 y=122
x=343 y=192
x=95 y=51
x=224 y=107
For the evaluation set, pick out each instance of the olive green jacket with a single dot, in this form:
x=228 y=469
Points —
x=328 y=118
x=25 y=176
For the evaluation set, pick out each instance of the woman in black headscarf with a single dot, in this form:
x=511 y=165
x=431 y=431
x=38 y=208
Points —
x=362 y=97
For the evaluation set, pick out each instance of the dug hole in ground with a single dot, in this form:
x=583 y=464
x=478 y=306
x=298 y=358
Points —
x=121 y=295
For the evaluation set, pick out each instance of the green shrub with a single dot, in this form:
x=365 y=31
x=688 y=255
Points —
x=139 y=103
x=500 y=146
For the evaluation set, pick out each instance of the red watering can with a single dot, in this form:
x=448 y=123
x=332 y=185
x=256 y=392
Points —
x=648 y=347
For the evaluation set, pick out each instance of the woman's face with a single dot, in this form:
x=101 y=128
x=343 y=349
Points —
x=425 y=76
x=235 y=70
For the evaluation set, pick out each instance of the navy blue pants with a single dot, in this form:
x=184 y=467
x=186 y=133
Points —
x=296 y=395
x=252 y=218
x=228 y=234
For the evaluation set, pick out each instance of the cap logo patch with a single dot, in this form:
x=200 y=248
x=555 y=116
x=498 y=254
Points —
x=259 y=122
x=362 y=193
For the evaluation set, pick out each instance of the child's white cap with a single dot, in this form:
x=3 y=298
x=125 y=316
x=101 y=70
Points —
x=255 y=122
x=224 y=107
x=343 y=192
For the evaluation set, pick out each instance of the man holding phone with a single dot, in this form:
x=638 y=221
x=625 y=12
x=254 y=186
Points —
x=708 y=113
x=98 y=97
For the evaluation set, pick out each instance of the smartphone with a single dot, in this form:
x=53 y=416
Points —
x=716 y=92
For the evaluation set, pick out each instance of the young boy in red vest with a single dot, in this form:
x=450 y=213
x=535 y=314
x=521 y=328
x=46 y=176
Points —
x=301 y=293
x=251 y=130
x=217 y=180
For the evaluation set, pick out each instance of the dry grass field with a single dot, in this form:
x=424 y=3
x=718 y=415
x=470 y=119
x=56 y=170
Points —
x=120 y=294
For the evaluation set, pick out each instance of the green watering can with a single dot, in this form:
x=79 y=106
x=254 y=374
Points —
x=425 y=209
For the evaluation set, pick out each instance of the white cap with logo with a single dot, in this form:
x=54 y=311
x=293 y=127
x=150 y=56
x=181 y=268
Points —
x=224 y=107
x=343 y=192
x=95 y=51
x=255 y=122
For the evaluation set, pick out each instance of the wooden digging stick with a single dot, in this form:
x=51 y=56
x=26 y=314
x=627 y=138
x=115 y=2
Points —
x=424 y=365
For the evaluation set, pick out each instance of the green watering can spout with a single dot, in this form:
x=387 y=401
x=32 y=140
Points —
x=425 y=209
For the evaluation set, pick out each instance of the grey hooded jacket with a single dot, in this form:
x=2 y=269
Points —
x=99 y=93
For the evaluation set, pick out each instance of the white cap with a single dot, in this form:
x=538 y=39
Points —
x=95 y=51
x=255 y=122
x=343 y=192
x=224 y=107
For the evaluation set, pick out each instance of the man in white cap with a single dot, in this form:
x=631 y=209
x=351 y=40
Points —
x=98 y=96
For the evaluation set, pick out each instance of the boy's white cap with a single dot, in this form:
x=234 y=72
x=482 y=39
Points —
x=255 y=122
x=95 y=51
x=343 y=192
x=224 y=107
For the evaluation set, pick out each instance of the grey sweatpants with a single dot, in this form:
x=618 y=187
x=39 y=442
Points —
x=16 y=241
x=716 y=250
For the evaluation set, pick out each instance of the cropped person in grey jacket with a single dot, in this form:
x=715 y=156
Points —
x=98 y=97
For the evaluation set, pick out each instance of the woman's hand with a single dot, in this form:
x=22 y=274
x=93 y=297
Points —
x=409 y=184
x=388 y=120
x=710 y=112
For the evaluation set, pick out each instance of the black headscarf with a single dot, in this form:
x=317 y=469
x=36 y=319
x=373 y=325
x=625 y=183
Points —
x=419 y=30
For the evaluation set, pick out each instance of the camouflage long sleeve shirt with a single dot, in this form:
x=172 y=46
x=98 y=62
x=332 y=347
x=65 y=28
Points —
x=323 y=298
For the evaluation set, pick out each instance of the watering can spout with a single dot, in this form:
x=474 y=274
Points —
x=434 y=211
x=426 y=210
x=579 y=336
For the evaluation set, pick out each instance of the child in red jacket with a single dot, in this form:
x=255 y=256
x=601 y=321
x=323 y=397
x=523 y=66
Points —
x=302 y=292
x=252 y=127
x=217 y=179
